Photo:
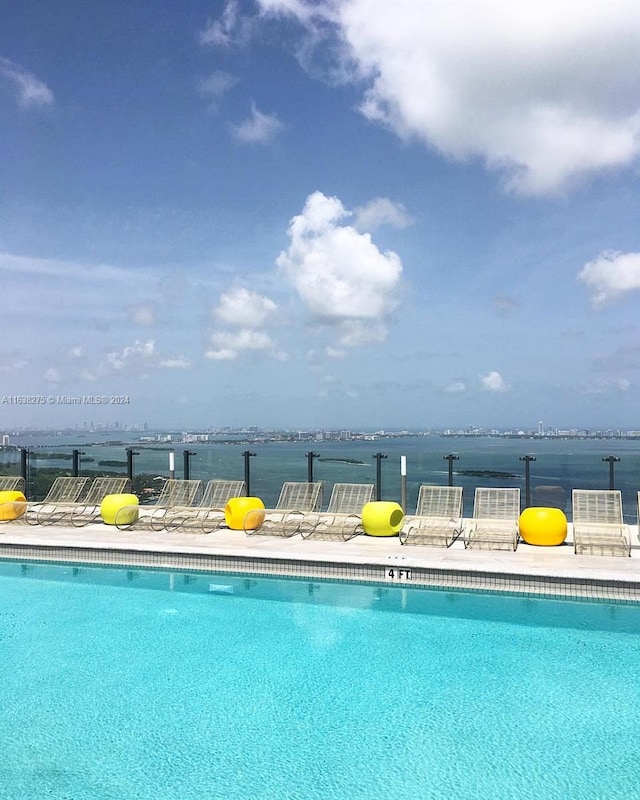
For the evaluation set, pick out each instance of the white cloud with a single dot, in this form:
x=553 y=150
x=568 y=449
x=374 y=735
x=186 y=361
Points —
x=258 y=128
x=217 y=85
x=76 y=352
x=228 y=345
x=130 y=357
x=610 y=276
x=142 y=315
x=32 y=92
x=381 y=211
x=526 y=87
x=225 y=31
x=175 y=363
x=457 y=387
x=244 y=308
x=605 y=386
x=494 y=382
x=340 y=275
x=52 y=375
x=335 y=352
x=11 y=363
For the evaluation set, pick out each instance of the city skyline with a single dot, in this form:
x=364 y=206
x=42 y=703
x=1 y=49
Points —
x=339 y=213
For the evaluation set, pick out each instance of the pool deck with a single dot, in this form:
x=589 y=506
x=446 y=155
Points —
x=548 y=571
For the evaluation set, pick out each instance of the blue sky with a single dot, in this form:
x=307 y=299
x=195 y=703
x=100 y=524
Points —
x=338 y=213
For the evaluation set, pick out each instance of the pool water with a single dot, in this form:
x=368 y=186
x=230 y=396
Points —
x=150 y=685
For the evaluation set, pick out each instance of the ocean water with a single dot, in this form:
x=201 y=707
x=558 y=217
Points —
x=130 y=684
x=566 y=464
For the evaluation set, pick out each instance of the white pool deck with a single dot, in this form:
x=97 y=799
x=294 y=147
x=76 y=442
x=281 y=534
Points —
x=373 y=556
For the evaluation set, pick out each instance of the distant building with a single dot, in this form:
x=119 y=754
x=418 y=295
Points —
x=541 y=428
x=5 y=440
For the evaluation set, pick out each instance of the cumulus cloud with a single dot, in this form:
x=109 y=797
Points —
x=381 y=211
x=258 y=128
x=227 y=345
x=494 y=382
x=130 y=357
x=457 y=387
x=32 y=92
x=526 y=87
x=244 y=308
x=610 y=276
x=52 y=375
x=340 y=275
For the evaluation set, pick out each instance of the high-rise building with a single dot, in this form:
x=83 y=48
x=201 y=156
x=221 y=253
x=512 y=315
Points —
x=541 y=428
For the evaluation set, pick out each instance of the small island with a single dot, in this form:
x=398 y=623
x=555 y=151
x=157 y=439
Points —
x=344 y=461
x=486 y=473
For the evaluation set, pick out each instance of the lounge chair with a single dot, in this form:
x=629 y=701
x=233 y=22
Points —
x=88 y=510
x=209 y=513
x=63 y=494
x=598 y=524
x=296 y=500
x=495 y=519
x=438 y=517
x=175 y=494
x=11 y=483
x=342 y=520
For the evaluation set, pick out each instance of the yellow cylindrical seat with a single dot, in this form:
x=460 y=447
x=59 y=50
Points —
x=382 y=518
x=122 y=506
x=244 y=513
x=12 y=505
x=543 y=526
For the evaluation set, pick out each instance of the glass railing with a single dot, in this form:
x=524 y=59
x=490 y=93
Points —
x=554 y=466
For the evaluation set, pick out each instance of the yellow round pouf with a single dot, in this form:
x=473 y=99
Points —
x=237 y=508
x=114 y=503
x=12 y=505
x=542 y=526
x=382 y=518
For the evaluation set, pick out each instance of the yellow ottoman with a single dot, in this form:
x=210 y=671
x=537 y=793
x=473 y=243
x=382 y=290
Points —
x=382 y=518
x=244 y=513
x=12 y=505
x=126 y=504
x=542 y=526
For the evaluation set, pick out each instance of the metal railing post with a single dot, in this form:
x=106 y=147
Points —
x=451 y=458
x=612 y=460
x=247 y=470
x=310 y=456
x=186 y=470
x=130 y=454
x=378 y=457
x=527 y=482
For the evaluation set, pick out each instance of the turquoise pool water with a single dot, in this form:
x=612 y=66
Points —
x=150 y=685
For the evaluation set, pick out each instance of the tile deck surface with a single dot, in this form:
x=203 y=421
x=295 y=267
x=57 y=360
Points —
x=553 y=571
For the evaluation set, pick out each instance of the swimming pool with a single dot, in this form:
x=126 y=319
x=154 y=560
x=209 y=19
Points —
x=221 y=686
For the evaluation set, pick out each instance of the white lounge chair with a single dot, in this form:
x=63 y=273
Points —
x=438 y=517
x=598 y=524
x=61 y=497
x=88 y=510
x=495 y=519
x=342 y=520
x=175 y=494
x=208 y=515
x=296 y=499
x=11 y=483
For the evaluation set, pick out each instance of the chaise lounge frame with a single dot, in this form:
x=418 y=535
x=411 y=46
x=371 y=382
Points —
x=343 y=518
x=598 y=523
x=495 y=519
x=438 y=518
